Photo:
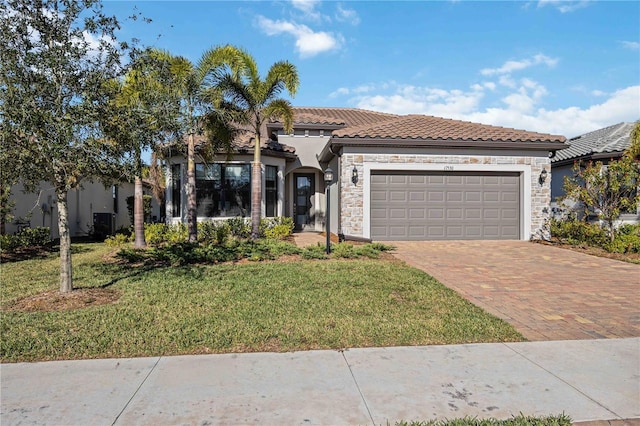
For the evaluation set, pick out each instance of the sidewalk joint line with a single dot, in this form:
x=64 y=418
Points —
x=563 y=381
x=358 y=387
x=136 y=391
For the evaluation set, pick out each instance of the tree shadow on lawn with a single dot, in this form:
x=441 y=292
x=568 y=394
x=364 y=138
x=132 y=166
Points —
x=82 y=296
x=37 y=252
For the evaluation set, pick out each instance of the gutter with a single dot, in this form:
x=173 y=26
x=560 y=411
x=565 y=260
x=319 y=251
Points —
x=589 y=157
x=326 y=152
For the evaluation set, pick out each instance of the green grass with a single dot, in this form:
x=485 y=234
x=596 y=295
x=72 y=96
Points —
x=519 y=420
x=236 y=307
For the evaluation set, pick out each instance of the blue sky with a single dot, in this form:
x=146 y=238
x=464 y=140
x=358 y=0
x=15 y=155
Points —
x=562 y=67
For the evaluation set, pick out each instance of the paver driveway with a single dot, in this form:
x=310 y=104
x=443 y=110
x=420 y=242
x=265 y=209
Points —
x=545 y=292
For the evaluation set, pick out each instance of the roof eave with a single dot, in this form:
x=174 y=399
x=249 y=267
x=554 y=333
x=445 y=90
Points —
x=339 y=142
x=614 y=155
x=323 y=126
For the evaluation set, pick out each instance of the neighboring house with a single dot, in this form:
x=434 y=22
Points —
x=409 y=177
x=603 y=145
x=91 y=208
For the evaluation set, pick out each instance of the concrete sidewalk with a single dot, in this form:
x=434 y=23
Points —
x=586 y=379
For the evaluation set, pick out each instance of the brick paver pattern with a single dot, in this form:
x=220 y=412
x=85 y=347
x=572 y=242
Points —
x=545 y=292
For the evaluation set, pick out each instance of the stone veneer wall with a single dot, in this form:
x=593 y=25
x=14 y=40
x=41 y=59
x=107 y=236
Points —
x=352 y=203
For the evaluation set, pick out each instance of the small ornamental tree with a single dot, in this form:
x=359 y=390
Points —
x=606 y=190
x=55 y=56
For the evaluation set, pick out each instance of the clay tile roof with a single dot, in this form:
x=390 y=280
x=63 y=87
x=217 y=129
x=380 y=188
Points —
x=423 y=127
x=246 y=142
x=612 y=139
x=337 y=116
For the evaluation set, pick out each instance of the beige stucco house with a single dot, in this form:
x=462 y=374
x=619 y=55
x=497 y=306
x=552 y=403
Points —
x=398 y=177
x=92 y=207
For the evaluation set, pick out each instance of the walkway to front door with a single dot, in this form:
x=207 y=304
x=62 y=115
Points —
x=545 y=292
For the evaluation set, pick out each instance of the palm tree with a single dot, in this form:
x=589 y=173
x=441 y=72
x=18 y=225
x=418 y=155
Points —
x=258 y=101
x=139 y=117
x=196 y=88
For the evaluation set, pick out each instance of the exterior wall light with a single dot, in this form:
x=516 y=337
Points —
x=354 y=175
x=543 y=176
x=328 y=180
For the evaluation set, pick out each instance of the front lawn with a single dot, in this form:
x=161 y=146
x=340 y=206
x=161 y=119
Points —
x=231 y=307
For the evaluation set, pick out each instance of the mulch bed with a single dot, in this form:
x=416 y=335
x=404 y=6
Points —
x=54 y=300
x=594 y=251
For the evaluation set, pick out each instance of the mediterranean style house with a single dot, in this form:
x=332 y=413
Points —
x=397 y=177
x=604 y=145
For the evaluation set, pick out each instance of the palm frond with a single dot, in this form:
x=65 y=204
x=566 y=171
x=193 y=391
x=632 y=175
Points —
x=280 y=109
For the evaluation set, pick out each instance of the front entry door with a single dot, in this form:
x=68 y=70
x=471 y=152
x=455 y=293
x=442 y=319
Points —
x=302 y=206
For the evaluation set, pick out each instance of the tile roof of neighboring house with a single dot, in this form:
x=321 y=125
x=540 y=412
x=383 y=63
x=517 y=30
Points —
x=612 y=139
x=423 y=127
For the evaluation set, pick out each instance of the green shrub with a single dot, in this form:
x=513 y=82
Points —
x=277 y=228
x=8 y=243
x=314 y=252
x=367 y=250
x=240 y=227
x=28 y=237
x=576 y=232
x=127 y=231
x=34 y=237
x=156 y=234
x=117 y=240
x=379 y=247
x=214 y=231
x=278 y=232
x=344 y=250
x=627 y=240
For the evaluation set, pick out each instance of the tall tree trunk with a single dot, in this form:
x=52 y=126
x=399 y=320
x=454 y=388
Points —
x=256 y=190
x=66 y=278
x=138 y=214
x=192 y=214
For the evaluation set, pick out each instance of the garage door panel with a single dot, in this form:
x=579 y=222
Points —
x=417 y=213
x=379 y=213
x=473 y=196
x=435 y=213
x=436 y=205
x=454 y=196
x=435 y=196
x=415 y=196
x=379 y=195
x=398 y=180
x=470 y=213
x=398 y=196
x=507 y=214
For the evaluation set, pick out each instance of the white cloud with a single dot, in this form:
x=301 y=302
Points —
x=422 y=100
x=565 y=6
x=633 y=45
x=598 y=93
x=305 y=5
x=511 y=66
x=347 y=15
x=521 y=107
x=308 y=43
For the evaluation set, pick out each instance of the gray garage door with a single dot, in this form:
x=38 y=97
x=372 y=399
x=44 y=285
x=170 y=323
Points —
x=445 y=206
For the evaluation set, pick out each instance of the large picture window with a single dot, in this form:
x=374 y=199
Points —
x=271 y=191
x=223 y=190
